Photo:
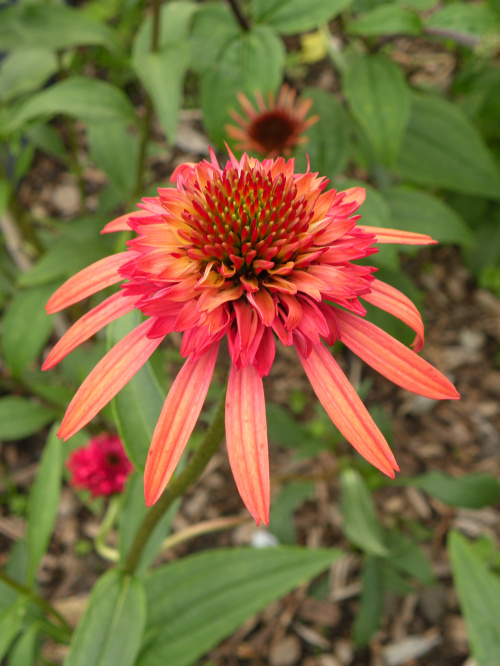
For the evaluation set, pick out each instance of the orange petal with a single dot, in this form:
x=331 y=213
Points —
x=392 y=359
x=113 y=307
x=395 y=236
x=346 y=410
x=110 y=375
x=177 y=420
x=246 y=437
x=92 y=279
x=393 y=301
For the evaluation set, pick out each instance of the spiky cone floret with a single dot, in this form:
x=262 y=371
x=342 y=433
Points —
x=274 y=127
x=252 y=252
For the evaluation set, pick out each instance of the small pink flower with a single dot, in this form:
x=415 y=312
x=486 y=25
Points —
x=102 y=467
x=255 y=254
x=274 y=128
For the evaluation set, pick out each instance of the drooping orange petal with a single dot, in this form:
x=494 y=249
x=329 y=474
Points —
x=392 y=359
x=113 y=307
x=344 y=407
x=246 y=437
x=110 y=375
x=393 y=301
x=121 y=223
x=177 y=420
x=394 y=236
x=90 y=280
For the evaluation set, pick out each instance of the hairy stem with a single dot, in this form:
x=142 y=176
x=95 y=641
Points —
x=178 y=486
x=242 y=20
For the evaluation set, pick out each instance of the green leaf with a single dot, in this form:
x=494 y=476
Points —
x=283 y=508
x=372 y=602
x=464 y=18
x=386 y=20
x=380 y=101
x=214 y=28
x=10 y=625
x=175 y=22
x=423 y=213
x=360 y=524
x=110 y=631
x=196 y=602
x=52 y=27
x=20 y=417
x=408 y=558
x=44 y=502
x=108 y=143
x=24 y=71
x=23 y=652
x=328 y=145
x=472 y=491
x=137 y=406
x=291 y=16
x=479 y=595
x=162 y=74
x=253 y=60
x=90 y=100
x=283 y=428
x=442 y=148
x=133 y=511
x=26 y=328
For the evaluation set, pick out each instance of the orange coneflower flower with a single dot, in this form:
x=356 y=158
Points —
x=252 y=252
x=272 y=129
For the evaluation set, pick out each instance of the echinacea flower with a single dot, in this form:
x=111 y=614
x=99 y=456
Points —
x=274 y=128
x=252 y=252
x=102 y=467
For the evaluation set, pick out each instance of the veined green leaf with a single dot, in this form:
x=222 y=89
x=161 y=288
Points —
x=197 y=601
x=386 y=20
x=291 y=16
x=471 y=491
x=20 y=417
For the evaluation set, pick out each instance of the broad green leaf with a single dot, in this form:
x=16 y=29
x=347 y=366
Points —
x=20 y=417
x=408 y=558
x=471 y=491
x=47 y=139
x=90 y=100
x=291 y=16
x=214 y=27
x=283 y=428
x=479 y=595
x=162 y=74
x=65 y=258
x=23 y=652
x=254 y=60
x=110 y=631
x=283 y=508
x=386 y=20
x=372 y=602
x=24 y=71
x=328 y=145
x=10 y=625
x=52 y=27
x=44 y=502
x=360 y=524
x=197 y=601
x=395 y=582
x=380 y=101
x=442 y=148
x=175 y=21
x=138 y=405
x=108 y=143
x=26 y=328
x=133 y=511
x=423 y=213
x=464 y=18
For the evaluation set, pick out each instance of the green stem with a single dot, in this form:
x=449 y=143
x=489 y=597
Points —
x=39 y=601
x=100 y=544
x=148 y=114
x=178 y=485
x=238 y=14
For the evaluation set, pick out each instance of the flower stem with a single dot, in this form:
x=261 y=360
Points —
x=178 y=486
x=148 y=113
x=242 y=20
x=100 y=544
x=39 y=601
x=205 y=527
